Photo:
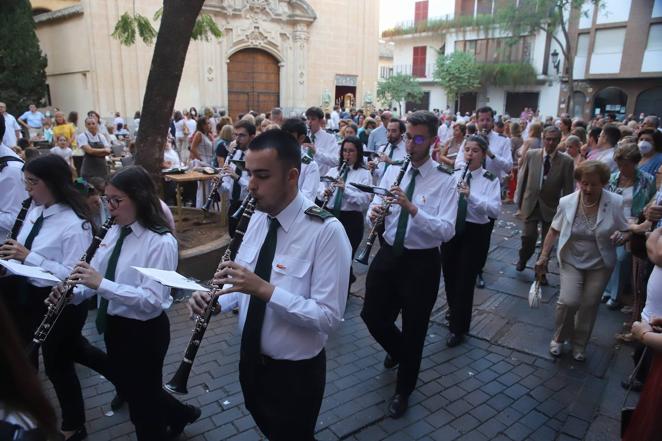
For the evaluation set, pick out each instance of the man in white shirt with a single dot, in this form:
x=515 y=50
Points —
x=404 y=275
x=335 y=118
x=11 y=182
x=235 y=181
x=12 y=129
x=290 y=280
x=378 y=136
x=323 y=146
x=604 y=152
x=118 y=120
x=309 y=179
x=393 y=151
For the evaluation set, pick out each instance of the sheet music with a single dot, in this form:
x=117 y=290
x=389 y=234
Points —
x=170 y=278
x=32 y=272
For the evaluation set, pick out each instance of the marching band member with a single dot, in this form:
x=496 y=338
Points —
x=132 y=310
x=480 y=200
x=234 y=182
x=346 y=202
x=289 y=279
x=323 y=146
x=54 y=235
x=309 y=178
x=393 y=151
x=404 y=275
x=11 y=182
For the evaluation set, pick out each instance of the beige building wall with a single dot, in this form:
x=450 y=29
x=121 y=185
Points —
x=88 y=69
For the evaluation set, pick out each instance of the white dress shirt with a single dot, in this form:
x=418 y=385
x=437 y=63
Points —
x=61 y=242
x=502 y=163
x=12 y=131
x=310 y=272
x=309 y=178
x=435 y=196
x=353 y=198
x=327 y=151
x=133 y=295
x=484 y=197
x=228 y=182
x=12 y=192
x=399 y=154
x=376 y=138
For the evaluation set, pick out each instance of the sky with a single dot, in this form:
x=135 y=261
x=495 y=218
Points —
x=391 y=12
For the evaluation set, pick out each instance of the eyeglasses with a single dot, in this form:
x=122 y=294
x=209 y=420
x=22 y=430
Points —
x=418 y=139
x=113 y=202
x=31 y=181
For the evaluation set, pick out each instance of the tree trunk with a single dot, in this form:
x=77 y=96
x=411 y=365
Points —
x=165 y=73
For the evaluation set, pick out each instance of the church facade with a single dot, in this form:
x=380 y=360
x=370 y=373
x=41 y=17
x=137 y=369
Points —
x=286 y=53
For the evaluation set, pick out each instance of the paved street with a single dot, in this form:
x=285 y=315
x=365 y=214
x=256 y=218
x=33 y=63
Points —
x=500 y=385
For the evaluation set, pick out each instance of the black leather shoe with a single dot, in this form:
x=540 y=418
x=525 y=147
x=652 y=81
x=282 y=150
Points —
x=117 y=402
x=480 y=283
x=389 y=362
x=79 y=435
x=398 y=406
x=520 y=266
x=454 y=339
x=177 y=428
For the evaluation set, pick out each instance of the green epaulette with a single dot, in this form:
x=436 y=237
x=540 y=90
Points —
x=317 y=212
x=444 y=168
x=305 y=159
x=158 y=229
x=489 y=175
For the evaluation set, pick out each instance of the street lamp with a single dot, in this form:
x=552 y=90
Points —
x=555 y=61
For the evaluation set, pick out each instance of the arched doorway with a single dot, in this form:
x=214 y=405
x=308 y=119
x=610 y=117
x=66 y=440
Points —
x=578 y=102
x=610 y=100
x=253 y=82
x=648 y=102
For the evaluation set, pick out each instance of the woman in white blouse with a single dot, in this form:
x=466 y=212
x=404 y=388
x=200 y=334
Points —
x=589 y=223
x=345 y=201
x=132 y=310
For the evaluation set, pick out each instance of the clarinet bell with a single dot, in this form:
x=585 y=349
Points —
x=177 y=384
x=364 y=256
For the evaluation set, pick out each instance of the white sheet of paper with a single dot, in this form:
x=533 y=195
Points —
x=32 y=272
x=170 y=278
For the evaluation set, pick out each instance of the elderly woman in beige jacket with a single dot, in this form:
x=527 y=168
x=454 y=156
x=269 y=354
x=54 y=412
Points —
x=589 y=223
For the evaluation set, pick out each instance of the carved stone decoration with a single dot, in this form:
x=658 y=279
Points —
x=282 y=10
x=256 y=37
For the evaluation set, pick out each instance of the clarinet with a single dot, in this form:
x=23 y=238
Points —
x=25 y=206
x=341 y=170
x=179 y=381
x=213 y=193
x=379 y=223
x=54 y=311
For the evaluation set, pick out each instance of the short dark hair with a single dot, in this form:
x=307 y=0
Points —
x=2 y=129
x=480 y=140
x=139 y=187
x=426 y=118
x=657 y=137
x=294 y=125
x=567 y=122
x=401 y=124
x=356 y=142
x=287 y=148
x=612 y=133
x=315 y=112
x=594 y=134
x=245 y=124
x=485 y=109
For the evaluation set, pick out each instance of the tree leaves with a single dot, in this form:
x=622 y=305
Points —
x=399 y=88
x=457 y=73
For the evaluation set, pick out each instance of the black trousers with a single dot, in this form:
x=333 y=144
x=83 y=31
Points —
x=409 y=284
x=65 y=346
x=25 y=304
x=461 y=258
x=136 y=350
x=486 y=246
x=353 y=223
x=284 y=397
x=233 y=206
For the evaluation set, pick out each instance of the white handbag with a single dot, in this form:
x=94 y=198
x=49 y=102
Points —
x=535 y=294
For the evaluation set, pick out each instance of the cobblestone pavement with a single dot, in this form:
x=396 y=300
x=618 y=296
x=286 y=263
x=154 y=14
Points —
x=501 y=384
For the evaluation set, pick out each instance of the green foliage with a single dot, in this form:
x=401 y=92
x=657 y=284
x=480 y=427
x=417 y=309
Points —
x=484 y=22
x=399 y=88
x=128 y=26
x=507 y=74
x=457 y=73
x=22 y=64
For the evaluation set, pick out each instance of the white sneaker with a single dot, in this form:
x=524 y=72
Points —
x=578 y=355
x=555 y=348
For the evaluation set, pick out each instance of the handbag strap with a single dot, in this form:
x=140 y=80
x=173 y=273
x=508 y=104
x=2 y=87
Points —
x=634 y=372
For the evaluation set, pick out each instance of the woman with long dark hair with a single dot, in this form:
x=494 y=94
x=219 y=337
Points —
x=56 y=232
x=132 y=310
x=347 y=202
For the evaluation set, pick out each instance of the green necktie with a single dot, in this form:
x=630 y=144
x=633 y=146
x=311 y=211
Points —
x=399 y=242
x=250 y=337
x=312 y=140
x=337 y=203
x=34 y=231
x=100 y=321
x=461 y=219
x=390 y=156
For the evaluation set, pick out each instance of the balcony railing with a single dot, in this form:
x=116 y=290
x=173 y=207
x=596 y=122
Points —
x=422 y=72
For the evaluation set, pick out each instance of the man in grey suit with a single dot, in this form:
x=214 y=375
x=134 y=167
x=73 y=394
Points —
x=545 y=177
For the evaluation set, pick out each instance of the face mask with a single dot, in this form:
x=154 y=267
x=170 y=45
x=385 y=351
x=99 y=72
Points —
x=645 y=147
